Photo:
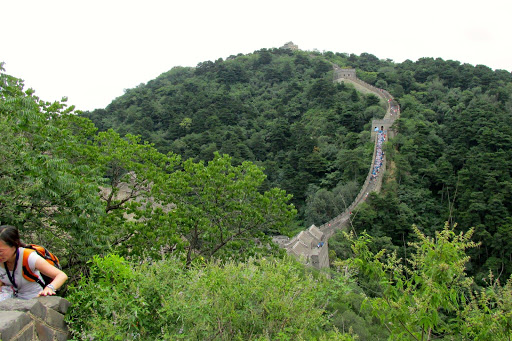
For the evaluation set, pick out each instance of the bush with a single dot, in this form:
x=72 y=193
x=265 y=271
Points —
x=262 y=299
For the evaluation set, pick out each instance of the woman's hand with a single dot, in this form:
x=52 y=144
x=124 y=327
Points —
x=47 y=292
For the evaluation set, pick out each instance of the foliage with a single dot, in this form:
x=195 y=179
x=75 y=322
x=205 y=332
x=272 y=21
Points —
x=85 y=193
x=450 y=160
x=322 y=204
x=276 y=108
x=53 y=200
x=430 y=296
x=138 y=219
x=261 y=299
x=82 y=193
x=345 y=305
x=220 y=211
x=489 y=314
x=281 y=110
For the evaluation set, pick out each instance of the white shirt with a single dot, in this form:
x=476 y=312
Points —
x=26 y=289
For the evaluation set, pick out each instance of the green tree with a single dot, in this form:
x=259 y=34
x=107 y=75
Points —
x=220 y=211
x=138 y=220
x=45 y=190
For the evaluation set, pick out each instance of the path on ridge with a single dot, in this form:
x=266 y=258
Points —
x=311 y=245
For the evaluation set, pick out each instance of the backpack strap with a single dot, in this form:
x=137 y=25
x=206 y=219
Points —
x=27 y=273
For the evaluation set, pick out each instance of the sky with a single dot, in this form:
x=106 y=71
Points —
x=91 y=51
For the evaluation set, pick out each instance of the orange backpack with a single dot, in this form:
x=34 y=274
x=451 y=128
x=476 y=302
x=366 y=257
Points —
x=46 y=255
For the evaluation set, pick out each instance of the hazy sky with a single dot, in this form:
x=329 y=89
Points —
x=91 y=50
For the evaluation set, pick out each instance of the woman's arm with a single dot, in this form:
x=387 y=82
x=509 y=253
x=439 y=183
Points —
x=59 y=277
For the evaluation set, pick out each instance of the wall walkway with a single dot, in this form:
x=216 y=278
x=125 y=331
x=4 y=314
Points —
x=311 y=245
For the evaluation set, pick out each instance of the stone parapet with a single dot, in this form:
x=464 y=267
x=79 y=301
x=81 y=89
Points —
x=310 y=246
x=40 y=319
x=303 y=244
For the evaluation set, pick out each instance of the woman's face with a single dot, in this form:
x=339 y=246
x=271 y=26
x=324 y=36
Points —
x=6 y=252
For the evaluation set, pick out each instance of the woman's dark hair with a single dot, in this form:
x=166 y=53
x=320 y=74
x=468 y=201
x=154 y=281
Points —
x=10 y=235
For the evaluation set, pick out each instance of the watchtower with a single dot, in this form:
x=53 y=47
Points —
x=290 y=46
x=309 y=245
x=384 y=125
x=344 y=73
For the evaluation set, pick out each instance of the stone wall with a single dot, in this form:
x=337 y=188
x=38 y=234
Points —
x=39 y=319
x=309 y=245
x=371 y=184
x=301 y=245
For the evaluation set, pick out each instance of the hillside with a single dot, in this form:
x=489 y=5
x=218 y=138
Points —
x=280 y=109
x=277 y=108
x=451 y=159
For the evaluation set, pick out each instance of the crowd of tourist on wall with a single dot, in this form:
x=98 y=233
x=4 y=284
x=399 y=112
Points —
x=381 y=137
x=393 y=109
x=379 y=154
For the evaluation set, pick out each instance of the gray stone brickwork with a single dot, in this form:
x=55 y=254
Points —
x=290 y=46
x=309 y=245
x=344 y=73
x=40 y=319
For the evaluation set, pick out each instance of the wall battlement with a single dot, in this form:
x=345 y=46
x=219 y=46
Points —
x=40 y=319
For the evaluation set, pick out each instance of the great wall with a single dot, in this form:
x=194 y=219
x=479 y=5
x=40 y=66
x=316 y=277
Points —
x=311 y=246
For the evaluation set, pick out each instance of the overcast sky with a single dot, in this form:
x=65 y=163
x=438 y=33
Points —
x=90 y=51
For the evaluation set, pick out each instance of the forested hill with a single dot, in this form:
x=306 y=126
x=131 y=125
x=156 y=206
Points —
x=277 y=108
x=452 y=159
x=280 y=109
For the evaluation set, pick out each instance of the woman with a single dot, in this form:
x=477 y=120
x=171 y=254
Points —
x=11 y=264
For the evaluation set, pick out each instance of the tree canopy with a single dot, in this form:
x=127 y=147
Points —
x=87 y=193
x=276 y=108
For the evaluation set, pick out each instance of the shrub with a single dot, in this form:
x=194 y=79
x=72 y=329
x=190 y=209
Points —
x=262 y=299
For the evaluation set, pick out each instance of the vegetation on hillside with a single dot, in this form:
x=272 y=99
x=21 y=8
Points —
x=451 y=159
x=281 y=110
x=84 y=193
x=261 y=299
x=373 y=296
x=171 y=240
x=277 y=108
